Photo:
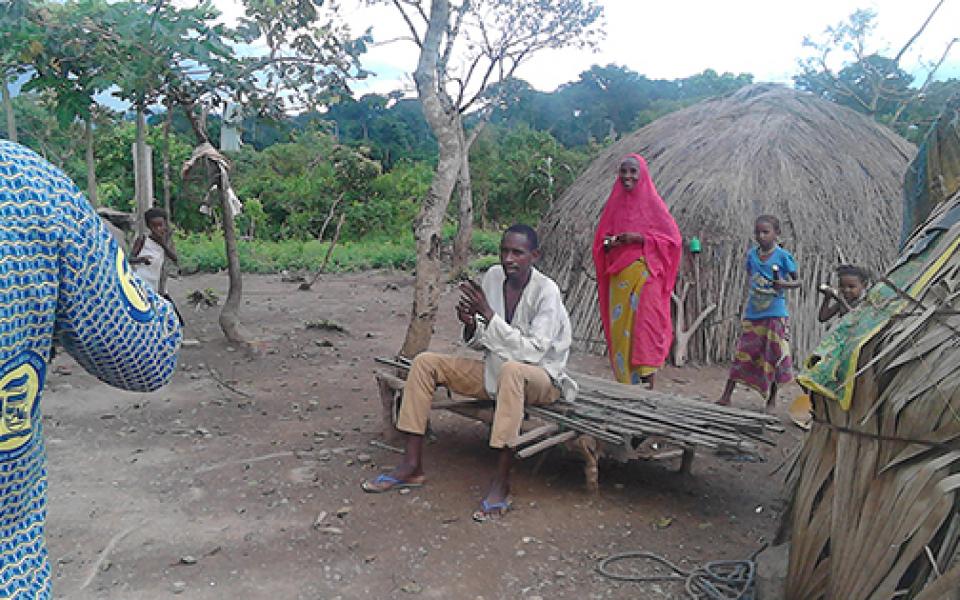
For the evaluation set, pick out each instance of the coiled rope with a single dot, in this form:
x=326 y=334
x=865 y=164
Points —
x=714 y=580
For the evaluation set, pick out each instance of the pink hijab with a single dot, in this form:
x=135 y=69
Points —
x=640 y=210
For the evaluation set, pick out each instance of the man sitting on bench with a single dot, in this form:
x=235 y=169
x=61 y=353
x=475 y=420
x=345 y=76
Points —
x=518 y=320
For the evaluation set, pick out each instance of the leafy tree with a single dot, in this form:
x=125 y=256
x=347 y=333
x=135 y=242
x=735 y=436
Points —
x=19 y=31
x=519 y=172
x=490 y=39
x=867 y=81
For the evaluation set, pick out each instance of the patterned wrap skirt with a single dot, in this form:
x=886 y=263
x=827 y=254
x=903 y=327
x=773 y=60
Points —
x=625 y=289
x=763 y=354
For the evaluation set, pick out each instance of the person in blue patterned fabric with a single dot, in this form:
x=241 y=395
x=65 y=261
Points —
x=61 y=275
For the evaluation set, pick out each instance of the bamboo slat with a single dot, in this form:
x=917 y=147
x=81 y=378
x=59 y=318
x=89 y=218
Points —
x=623 y=415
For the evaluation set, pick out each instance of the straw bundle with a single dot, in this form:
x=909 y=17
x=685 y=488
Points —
x=831 y=175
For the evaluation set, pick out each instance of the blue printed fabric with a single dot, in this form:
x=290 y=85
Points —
x=764 y=300
x=61 y=274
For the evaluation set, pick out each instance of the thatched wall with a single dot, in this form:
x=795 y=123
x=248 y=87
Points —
x=875 y=510
x=831 y=175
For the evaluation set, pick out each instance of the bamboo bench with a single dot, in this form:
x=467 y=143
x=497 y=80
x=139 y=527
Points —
x=606 y=420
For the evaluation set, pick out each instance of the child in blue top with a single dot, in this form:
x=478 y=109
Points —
x=763 y=361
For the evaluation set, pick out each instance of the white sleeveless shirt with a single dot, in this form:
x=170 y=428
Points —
x=151 y=273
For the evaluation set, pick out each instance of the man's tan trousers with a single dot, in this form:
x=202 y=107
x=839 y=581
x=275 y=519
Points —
x=518 y=383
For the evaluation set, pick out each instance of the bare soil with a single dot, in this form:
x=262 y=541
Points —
x=241 y=478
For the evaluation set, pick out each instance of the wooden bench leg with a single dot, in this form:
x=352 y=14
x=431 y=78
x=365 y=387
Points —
x=389 y=404
x=587 y=447
x=686 y=461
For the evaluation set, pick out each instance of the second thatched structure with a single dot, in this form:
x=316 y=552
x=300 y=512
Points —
x=831 y=175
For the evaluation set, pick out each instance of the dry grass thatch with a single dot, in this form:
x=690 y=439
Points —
x=875 y=509
x=875 y=505
x=831 y=175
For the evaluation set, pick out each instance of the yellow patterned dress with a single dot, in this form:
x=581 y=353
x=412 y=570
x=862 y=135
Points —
x=625 y=289
x=61 y=274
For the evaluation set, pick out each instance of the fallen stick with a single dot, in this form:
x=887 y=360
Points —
x=227 y=385
x=547 y=443
x=107 y=550
x=241 y=461
x=385 y=446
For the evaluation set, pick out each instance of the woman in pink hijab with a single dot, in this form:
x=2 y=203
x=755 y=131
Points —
x=637 y=252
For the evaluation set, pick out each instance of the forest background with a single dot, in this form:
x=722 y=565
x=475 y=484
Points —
x=372 y=158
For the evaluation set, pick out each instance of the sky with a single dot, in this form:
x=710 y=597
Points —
x=677 y=38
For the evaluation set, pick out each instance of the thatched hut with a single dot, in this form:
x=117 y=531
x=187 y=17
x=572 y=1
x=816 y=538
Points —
x=831 y=175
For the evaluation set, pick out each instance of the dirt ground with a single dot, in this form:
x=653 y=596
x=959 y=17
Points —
x=241 y=479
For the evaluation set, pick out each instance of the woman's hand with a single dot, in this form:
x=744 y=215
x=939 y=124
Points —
x=623 y=239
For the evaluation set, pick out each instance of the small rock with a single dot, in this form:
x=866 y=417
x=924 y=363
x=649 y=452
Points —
x=404 y=491
x=186 y=559
x=343 y=511
x=364 y=458
x=318 y=522
x=411 y=587
x=330 y=530
x=178 y=587
x=662 y=522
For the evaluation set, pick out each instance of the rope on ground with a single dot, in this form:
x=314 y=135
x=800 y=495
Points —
x=714 y=580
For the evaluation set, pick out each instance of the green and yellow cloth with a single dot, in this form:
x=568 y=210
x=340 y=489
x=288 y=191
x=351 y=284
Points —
x=832 y=367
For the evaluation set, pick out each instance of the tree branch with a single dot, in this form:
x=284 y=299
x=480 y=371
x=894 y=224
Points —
x=896 y=59
x=410 y=25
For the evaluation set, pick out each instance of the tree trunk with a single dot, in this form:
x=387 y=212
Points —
x=142 y=172
x=444 y=121
x=464 y=238
x=230 y=315
x=166 y=161
x=8 y=109
x=91 y=165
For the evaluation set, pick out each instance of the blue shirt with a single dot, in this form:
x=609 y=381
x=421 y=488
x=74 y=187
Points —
x=764 y=300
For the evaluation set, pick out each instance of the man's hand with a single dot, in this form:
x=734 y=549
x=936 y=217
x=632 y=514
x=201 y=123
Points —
x=474 y=301
x=464 y=315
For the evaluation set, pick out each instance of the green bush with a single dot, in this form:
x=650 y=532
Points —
x=206 y=253
x=201 y=252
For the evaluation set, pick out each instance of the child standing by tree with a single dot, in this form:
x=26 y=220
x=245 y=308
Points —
x=151 y=251
x=852 y=286
x=763 y=359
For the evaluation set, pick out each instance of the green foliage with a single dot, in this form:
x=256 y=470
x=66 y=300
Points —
x=204 y=252
x=114 y=160
x=518 y=173
x=607 y=102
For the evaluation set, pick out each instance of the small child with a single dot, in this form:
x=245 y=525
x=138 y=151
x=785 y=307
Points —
x=763 y=358
x=853 y=282
x=149 y=253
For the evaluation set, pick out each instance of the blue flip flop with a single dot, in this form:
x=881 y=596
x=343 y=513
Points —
x=384 y=483
x=490 y=511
